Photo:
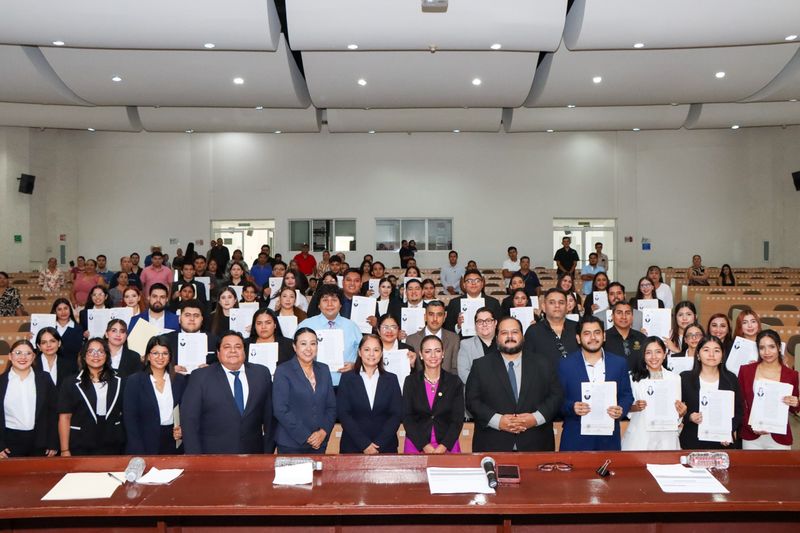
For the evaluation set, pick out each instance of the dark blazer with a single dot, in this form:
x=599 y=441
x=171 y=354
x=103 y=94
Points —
x=65 y=367
x=170 y=320
x=81 y=402
x=571 y=373
x=690 y=394
x=393 y=309
x=210 y=421
x=446 y=417
x=362 y=424
x=171 y=339
x=45 y=428
x=540 y=340
x=488 y=392
x=451 y=343
x=199 y=290
x=142 y=418
x=71 y=344
x=301 y=410
x=130 y=363
x=285 y=349
x=454 y=309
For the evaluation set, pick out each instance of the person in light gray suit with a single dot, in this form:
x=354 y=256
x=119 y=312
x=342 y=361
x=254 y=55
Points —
x=475 y=347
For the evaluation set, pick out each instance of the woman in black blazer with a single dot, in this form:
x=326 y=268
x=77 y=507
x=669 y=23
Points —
x=123 y=360
x=434 y=404
x=370 y=415
x=87 y=426
x=98 y=299
x=27 y=421
x=50 y=348
x=266 y=328
x=708 y=373
x=150 y=400
x=71 y=333
x=387 y=301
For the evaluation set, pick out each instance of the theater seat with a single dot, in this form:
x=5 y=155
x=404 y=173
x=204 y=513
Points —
x=786 y=307
x=25 y=326
x=5 y=348
x=771 y=320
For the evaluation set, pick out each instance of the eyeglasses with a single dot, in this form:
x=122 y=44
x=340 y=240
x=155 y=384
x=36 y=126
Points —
x=486 y=322
x=95 y=351
x=694 y=336
x=19 y=353
x=549 y=467
x=389 y=328
x=473 y=281
x=159 y=354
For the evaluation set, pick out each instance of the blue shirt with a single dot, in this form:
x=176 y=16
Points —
x=352 y=336
x=261 y=274
x=593 y=270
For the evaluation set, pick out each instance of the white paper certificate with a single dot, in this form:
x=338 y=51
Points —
x=121 y=313
x=374 y=285
x=339 y=281
x=600 y=299
x=660 y=395
x=600 y=395
x=469 y=307
x=264 y=354
x=768 y=412
x=716 y=406
x=574 y=317
x=206 y=281
x=680 y=364
x=362 y=309
x=524 y=315
x=412 y=319
x=743 y=352
x=609 y=318
x=192 y=350
x=396 y=362
x=330 y=349
x=288 y=325
x=275 y=286
x=241 y=319
x=238 y=290
x=657 y=322
x=98 y=321
x=647 y=304
x=39 y=321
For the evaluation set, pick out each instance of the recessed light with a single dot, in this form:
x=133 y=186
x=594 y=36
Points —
x=456 y=131
x=735 y=127
x=116 y=78
x=496 y=46
x=58 y=43
x=636 y=129
x=793 y=100
x=597 y=79
x=90 y=129
x=790 y=37
x=209 y=45
x=476 y=81
x=238 y=81
x=189 y=131
x=720 y=75
x=371 y=131
x=550 y=131
x=570 y=106
x=259 y=107
x=352 y=47
x=638 y=45
x=362 y=81
x=278 y=131
x=673 y=103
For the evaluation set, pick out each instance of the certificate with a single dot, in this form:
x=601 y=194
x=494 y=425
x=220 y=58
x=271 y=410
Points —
x=412 y=319
x=238 y=290
x=716 y=406
x=374 y=286
x=330 y=348
x=192 y=350
x=575 y=317
x=680 y=364
x=206 y=281
x=264 y=354
x=274 y=286
x=141 y=334
x=396 y=362
x=97 y=321
x=743 y=352
x=600 y=299
x=469 y=307
x=339 y=281
x=657 y=322
x=609 y=318
x=647 y=304
x=600 y=395
x=768 y=412
x=121 y=313
x=524 y=315
x=362 y=309
x=241 y=319
x=288 y=325
x=660 y=395
x=40 y=321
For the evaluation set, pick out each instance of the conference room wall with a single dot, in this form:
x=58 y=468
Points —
x=14 y=206
x=717 y=192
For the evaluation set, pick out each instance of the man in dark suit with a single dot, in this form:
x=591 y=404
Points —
x=513 y=414
x=553 y=337
x=434 y=318
x=473 y=286
x=227 y=407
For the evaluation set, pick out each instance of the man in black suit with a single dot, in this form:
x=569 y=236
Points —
x=473 y=286
x=553 y=337
x=513 y=396
x=227 y=407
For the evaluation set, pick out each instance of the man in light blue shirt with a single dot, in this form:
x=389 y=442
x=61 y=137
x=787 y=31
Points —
x=589 y=271
x=330 y=303
x=451 y=274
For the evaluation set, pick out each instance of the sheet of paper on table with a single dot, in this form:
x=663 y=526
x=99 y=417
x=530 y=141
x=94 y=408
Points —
x=85 y=486
x=678 y=478
x=458 y=481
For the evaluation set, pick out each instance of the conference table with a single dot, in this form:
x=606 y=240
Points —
x=365 y=493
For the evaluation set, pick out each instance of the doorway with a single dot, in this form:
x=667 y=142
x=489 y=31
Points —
x=585 y=233
x=245 y=235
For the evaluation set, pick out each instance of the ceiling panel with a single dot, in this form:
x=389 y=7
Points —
x=652 y=77
x=418 y=79
x=68 y=117
x=403 y=120
x=619 y=24
x=182 y=78
x=205 y=119
x=146 y=24
x=595 y=118
x=707 y=116
x=520 y=25
x=785 y=86
x=26 y=77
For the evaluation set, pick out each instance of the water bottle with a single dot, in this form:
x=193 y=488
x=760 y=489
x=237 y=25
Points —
x=716 y=460
x=134 y=470
x=286 y=461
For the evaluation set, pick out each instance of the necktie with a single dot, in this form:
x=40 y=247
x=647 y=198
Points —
x=238 y=391
x=331 y=323
x=513 y=378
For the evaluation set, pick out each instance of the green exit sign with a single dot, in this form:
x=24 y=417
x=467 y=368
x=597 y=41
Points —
x=17 y=238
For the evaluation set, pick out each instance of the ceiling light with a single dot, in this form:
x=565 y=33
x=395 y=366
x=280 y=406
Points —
x=735 y=127
x=549 y=131
x=476 y=81
x=793 y=100
x=116 y=78
x=371 y=131
x=636 y=129
x=720 y=75
x=790 y=37
x=90 y=129
x=209 y=45
x=434 y=6
x=673 y=103
x=570 y=106
x=189 y=131
x=638 y=45
x=259 y=107
x=278 y=131
x=58 y=43
x=496 y=46
x=238 y=81
x=362 y=81
x=352 y=47
x=456 y=131
x=597 y=79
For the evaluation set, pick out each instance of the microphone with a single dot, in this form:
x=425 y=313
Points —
x=488 y=466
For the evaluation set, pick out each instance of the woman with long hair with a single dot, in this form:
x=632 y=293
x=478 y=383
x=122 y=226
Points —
x=683 y=315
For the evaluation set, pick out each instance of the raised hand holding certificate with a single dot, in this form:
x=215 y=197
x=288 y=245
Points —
x=600 y=299
x=330 y=348
x=264 y=354
x=657 y=322
x=660 y=413
x=192 y=350
x=362 y=309
x=524 y=315
x=469 y=307
x=412 y=319
x=374 y=285
x=275 y=286
x=716 y=406
x=742 y=352
x=600 y=395
x=768 y=412
x=98 y=321
x=396 y=362
x=40 y=321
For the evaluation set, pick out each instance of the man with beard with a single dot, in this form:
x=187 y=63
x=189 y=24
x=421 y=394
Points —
x=156 y=312
x=591 y=364
x=513 y=396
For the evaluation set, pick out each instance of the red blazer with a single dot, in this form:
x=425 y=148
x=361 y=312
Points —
x=747 y=374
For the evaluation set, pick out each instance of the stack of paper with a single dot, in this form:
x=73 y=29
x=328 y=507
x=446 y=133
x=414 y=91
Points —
x=160 y=477
x=458 y=481
x=296 y=474
x=677 y=478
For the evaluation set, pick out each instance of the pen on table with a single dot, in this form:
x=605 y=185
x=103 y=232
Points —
x=115 y=477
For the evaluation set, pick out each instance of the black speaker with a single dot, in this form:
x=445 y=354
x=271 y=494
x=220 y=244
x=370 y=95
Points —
x=796 y=178
x=26 y=182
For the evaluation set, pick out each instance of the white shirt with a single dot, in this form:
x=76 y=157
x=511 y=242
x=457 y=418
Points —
x=383 y=306
x=116 y=359
x=417 y=305
x=101 y=390
x=20 y=402
x=511 y=266
x=664 y=293
x=164 y=400
x=242 y=378
x=429 y=332
x=158 y=322
x=52 y=370
x=371 y=384
x=597 y=371
x=708 y=386
x=61 y=329
x=450 y=276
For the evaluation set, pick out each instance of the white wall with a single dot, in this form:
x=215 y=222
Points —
x=719 y=193
x=14 y=206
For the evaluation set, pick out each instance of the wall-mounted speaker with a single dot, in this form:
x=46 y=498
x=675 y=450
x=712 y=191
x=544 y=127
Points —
x=26 y=183
x=796 y=178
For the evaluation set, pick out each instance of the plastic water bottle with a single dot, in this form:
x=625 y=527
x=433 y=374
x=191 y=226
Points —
x=716 y=460
x=287 y=461
x=134 y=470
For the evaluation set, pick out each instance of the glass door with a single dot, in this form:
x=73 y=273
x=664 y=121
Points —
x=585 y=234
